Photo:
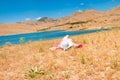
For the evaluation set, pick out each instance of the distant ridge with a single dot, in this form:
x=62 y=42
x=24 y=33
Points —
x=79 y=20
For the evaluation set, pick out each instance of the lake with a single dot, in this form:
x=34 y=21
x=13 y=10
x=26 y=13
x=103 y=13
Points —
x=19 y=38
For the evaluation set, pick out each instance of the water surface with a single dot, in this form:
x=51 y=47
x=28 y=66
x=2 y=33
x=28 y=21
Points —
x=18 y=38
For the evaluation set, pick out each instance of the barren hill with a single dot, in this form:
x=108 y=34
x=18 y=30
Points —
x=88 y=19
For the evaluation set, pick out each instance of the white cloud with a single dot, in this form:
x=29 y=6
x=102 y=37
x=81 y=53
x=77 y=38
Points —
x=82 y=4
x=27 y=19
x=38 y=18
x=80 y=11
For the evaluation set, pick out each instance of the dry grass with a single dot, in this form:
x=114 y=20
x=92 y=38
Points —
x=99 y=59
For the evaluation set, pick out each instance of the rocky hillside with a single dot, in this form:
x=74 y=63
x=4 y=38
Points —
x=88 y=19
x=91 y=19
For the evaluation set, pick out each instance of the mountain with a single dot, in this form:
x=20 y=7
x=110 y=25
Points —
x=46 y=19
x=115 y=10
x=81 y=16
x=91 y=19
x=88 y=19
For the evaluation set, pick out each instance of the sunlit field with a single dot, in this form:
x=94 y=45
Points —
x=99 y=59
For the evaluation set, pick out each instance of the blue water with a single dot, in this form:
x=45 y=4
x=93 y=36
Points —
x=15 y=39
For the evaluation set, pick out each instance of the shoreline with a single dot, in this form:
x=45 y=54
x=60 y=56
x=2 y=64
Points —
x=45 y=35
x=52 y=30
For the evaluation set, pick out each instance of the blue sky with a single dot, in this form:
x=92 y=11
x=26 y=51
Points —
x=12 y=11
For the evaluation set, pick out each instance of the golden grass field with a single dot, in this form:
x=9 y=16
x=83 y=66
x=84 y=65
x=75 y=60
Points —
x=99 y=59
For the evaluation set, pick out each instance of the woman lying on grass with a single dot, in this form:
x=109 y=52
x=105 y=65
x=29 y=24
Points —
x=66 y=43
